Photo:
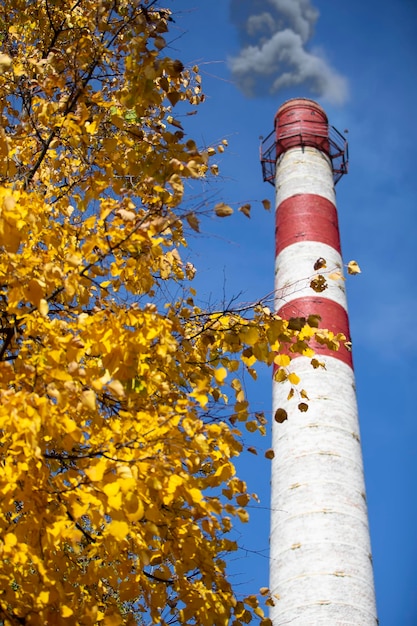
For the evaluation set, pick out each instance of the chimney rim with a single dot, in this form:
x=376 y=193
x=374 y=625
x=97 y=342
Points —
x=306 y=103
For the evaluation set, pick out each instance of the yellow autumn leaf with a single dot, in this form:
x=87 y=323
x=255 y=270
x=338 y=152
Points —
x=316 y=363
x=245 y=209
x=43 y=307
x=117 y=388
x=66 y=611
x=353 y=268
x=118 y=529
x=293 y=378
x=336 y=275
x=193 y=222
x=280 y=375
x=223 y=210
x=5 y=63
x=134 y=507
x=35 y=291
x=74 y=259
x=111 y=489
x=95 y=471
x=88 y=399
x=282 y=360
x=195 y=495
x=243 y=499
x=250 y=335
x=10 y=540
x=243 y=515
x=127 y=216
x=174 y=482
x=112 y=619
x=220 y=375
x=174 y=122
x=43 y=597
x=91 y=127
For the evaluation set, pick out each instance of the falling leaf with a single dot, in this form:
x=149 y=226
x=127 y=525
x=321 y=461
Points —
x=261 y=418
x=316 y=363
x=193 y=221
x=266 y=204
x=318 y=284
x=319 y=264
x=269 y=454
x=223 y=210
x=245 y=209
x=280 y=415
x=243 y=515
x=174 y=122
x=303 y=407
x=336 y=275
x=353 y=268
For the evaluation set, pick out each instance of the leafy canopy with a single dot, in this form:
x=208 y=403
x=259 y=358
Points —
x=119 y=407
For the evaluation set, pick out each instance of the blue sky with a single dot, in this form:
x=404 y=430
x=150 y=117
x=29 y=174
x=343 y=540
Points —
x=359 y=60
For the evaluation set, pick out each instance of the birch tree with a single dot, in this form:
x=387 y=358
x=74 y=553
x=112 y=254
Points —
x=118 y=489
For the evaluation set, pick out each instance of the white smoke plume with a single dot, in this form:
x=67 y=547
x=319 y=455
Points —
x=274 y=35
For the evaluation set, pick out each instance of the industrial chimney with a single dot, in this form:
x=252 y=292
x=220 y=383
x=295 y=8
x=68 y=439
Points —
x=320 y=556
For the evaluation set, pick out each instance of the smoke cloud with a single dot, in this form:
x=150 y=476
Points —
x=274 y=35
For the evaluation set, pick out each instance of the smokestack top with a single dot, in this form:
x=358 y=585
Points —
x=300 y=108
x=301 y=122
